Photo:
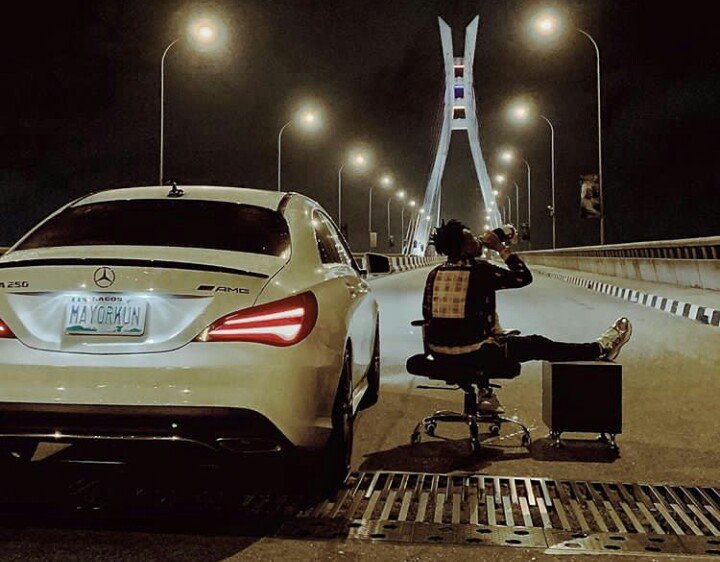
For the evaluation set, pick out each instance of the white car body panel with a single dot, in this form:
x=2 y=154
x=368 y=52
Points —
x=293 y=387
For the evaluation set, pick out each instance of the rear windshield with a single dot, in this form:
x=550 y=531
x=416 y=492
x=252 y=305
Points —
x=180 y=223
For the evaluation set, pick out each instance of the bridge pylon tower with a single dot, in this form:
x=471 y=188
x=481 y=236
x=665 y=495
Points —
x=459 y=114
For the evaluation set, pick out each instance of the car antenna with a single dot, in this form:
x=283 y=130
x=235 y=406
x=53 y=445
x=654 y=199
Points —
x=175 y=191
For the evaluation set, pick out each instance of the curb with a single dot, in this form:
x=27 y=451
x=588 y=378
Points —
x=695 y=312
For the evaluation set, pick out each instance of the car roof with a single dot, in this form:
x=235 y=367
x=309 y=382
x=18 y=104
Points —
x=258 y=197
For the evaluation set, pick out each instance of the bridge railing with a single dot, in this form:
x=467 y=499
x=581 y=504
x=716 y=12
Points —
x=690 y=262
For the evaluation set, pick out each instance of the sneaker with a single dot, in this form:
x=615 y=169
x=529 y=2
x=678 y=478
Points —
x=490 y=405
x=614 y=338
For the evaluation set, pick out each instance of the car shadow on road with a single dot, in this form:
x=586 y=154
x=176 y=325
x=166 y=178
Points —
x=212 y=511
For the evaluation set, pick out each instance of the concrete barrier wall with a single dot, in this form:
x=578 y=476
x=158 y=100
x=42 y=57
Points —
x=686 y=263
x=400 y=263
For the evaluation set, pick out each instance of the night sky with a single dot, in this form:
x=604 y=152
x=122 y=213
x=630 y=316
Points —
x=80 y=102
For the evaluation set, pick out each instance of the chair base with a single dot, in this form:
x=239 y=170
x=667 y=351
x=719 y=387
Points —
x=472 y=418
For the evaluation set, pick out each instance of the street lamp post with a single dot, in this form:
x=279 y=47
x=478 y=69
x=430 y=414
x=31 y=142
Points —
x=517 y=203
x=400 y=195
x=279 y=154
x=552 y=179
x=307 y=118
x=358 y=160
x=203 y=33
x=599 y=127
x=386 y=181
x=549 y=24
x=162 y=108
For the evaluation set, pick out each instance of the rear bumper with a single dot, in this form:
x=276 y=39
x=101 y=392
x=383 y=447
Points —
x=293 y=388
x=233 y=430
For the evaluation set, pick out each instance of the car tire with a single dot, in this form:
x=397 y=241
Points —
x=326 y=470
x=372 y=393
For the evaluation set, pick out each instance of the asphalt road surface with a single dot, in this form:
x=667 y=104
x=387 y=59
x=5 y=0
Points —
x=671 y=391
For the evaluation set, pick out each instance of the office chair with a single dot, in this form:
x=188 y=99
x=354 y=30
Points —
x=474 y=381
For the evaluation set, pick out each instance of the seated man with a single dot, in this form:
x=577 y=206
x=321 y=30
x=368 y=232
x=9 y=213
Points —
x=459 y=308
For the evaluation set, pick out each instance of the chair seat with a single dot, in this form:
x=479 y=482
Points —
x=456 y=371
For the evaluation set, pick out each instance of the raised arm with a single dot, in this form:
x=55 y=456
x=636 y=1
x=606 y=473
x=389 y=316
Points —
x=517 y=275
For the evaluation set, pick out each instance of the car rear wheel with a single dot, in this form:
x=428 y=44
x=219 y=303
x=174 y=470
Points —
x=338 y=451
x=372 y=393
x=326 y=470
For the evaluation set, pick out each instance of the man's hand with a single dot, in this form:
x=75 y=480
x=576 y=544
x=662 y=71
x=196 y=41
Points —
x=492 y=241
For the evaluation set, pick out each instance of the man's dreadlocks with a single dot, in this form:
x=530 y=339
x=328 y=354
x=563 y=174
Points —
x=448 y=238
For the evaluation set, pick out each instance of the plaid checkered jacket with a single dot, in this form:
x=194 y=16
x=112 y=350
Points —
x=459 y=301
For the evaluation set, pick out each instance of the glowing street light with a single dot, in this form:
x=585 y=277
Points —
x=386 y=181
x=496 y=192
x=548 y=25
x=500 y=178
x=521 y=108
x=308 y=118
x=202 y=33
x=359 y=160
x=507 y=156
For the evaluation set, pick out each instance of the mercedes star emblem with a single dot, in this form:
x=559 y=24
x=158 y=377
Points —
x=104 y=277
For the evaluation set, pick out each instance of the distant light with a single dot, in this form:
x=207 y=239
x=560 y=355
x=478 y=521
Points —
x=546 y=25
x=519 y=111
x=496 y=192
x=411 y=203
x=427 y=218
x=487 y=226
x=422 y=210
x=386 y=180
x=500 y=178
x=205 y=33
x=506 y=156
x=400 y=194
x=359 y=159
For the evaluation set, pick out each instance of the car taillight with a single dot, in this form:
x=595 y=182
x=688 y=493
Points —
x=5 y=332
x=282 y=323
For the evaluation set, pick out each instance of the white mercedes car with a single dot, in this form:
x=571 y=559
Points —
x=234 y=319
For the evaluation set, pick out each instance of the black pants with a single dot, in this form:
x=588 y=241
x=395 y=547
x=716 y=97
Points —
x=518 y=349
x=529 y=348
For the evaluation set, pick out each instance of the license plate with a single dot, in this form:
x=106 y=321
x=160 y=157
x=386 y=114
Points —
x=105 y=315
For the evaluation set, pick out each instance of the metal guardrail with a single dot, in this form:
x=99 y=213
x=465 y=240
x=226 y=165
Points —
x=685 y=249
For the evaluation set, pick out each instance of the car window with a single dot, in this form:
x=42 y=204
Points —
x=184 y=223
x=331 y=246
x=324 y=238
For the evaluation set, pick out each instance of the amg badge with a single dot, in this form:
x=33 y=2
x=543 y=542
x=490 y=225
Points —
x=221 y=289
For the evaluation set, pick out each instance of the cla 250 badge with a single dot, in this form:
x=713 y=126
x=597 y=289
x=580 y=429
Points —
x=14 y=284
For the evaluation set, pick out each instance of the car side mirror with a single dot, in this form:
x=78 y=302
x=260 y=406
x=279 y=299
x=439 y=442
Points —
x=377 y=263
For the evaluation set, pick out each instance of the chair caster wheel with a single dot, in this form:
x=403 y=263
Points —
x=495 y=429
x=415 y=438
x=430 y=428
x=526 y=440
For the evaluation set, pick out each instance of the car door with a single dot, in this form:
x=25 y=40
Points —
x=335 y=255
